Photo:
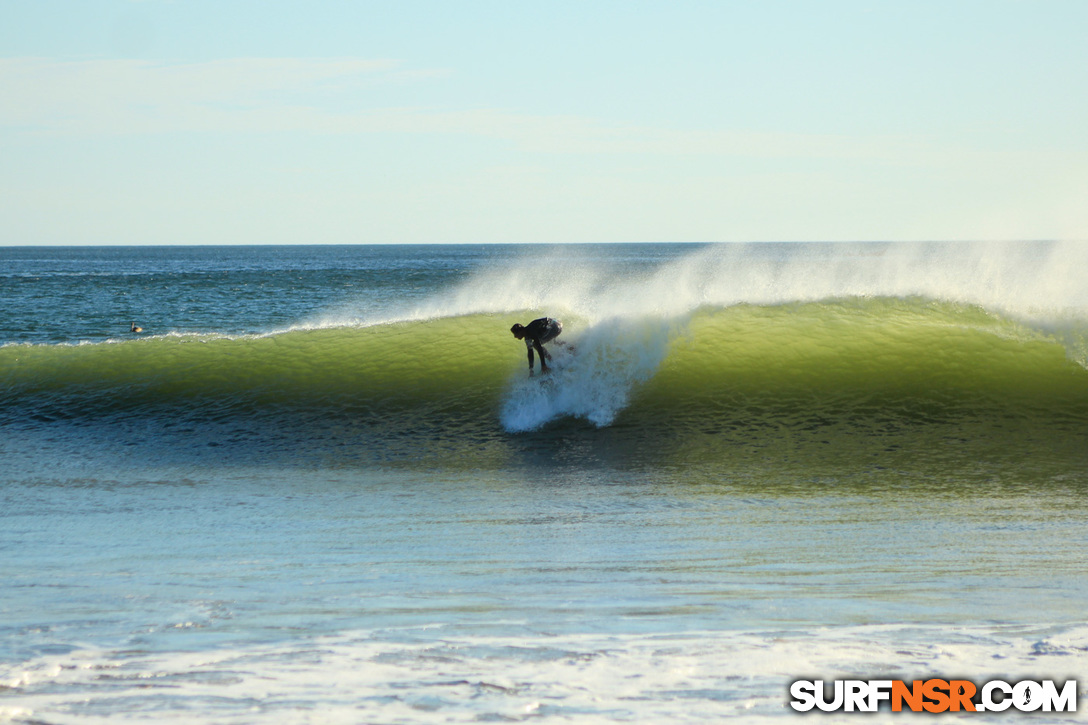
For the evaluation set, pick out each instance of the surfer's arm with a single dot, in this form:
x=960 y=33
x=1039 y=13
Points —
x=530 y=349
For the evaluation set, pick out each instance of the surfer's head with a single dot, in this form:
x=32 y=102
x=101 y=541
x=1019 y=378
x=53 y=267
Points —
x=518 y=330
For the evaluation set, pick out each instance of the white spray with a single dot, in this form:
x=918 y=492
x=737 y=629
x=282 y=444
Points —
x=1024 y=280
x=594 y=381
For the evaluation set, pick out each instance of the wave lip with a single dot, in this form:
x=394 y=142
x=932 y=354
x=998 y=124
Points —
x=1034 y=281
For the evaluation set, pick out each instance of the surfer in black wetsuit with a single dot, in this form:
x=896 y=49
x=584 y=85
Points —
x=535 y=334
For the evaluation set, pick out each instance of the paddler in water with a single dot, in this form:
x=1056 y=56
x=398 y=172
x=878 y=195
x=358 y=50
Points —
x=535 y=334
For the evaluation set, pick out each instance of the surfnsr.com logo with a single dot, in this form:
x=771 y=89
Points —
x=933 y=695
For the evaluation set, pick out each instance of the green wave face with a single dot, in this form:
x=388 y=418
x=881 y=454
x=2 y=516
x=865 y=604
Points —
x=884 y=386
x=815 y=383
x=886 y=352
x=333 y=368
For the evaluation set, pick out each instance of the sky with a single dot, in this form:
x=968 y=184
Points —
x=269 y=122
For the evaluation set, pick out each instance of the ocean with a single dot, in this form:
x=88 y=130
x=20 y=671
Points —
x=321 y=486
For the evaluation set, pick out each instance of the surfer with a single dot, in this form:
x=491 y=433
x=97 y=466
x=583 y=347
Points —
x=136 y=328
x=535 y=334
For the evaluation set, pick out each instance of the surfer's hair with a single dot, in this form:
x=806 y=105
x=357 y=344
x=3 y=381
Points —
x=517 y=328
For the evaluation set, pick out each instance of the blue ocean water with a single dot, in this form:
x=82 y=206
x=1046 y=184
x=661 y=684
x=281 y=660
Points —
x=320 y=485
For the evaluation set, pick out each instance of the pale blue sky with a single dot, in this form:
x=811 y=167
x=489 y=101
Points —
x=223 y=122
